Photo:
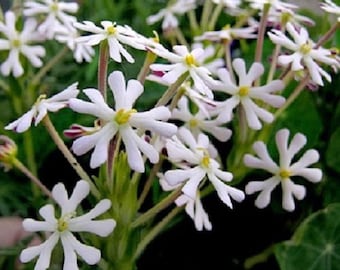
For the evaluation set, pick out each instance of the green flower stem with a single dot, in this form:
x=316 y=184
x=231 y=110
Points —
x=102 y=67
x=274 y=63
x=68 y=155
x=259 y=258
x=49 y=65
x=112 y=155
x=29 y=151
x=149 y=59
x=176 y=98
x=155 y=231
x=195 y=28
x=157 y=208
x=21 y=167
x=207 y=9
x=275 y=58
x=327 y=35
x=260 y=37
x=299 y=88
x=180 y=37
x=4 y=86
x=146 y=188
x=171 y=91
x=228 y=58
x=214 y=17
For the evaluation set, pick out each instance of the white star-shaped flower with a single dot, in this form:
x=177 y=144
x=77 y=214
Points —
x=233 y=4
x=18 y=43
x=274 y=4
x=116 y=35
x=41 y=107
x=81 y=51
x=304 y=54
x=56 y=13
x=196 y=165
x=62 y=228
x=183 y=61
x=168 y=14
x=244 y=94
x=199 y=122
x=123 y=119
x=229 y=34
x=194 y=208
x=330 y=7
x=283 y=171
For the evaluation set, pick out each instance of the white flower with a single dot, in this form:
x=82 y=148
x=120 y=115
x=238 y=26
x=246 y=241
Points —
x=55 y=12
x=330 y=7
x=283 y=171
x=228 y=33
x=62 y=228
x=169 y=13
x=115 y=35
x=199 y=122
x=208 y=58
x=194 y=208
x=183 y=61
x=81 y=51
x=124 y=120
x=304 y=53
x=244 y=94
x=233 y=4
x=274 y=4
x=41 y=107
x=18 y=43
x=277 y=18
x=196 y=164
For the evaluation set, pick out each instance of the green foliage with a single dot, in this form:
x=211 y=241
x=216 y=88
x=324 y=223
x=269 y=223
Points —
x=315 y=244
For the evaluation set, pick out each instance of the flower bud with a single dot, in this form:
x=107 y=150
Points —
x=8 y=152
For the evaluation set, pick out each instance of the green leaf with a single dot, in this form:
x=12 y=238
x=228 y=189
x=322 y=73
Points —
x=315 y=244
x=333 y=150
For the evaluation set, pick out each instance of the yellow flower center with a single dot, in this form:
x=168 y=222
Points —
x=16 y=43
x=243 y=91
x=62 y=225
x=111 y=30
x=205 y=162
x=193 y=122
x=123 y=116
x=190 y=60
x=54 y=7
x=305 y=48
x=285 y=17
x=284 y=174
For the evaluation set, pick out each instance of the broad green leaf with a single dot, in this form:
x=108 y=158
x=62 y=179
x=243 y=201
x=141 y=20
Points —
x=315 y=244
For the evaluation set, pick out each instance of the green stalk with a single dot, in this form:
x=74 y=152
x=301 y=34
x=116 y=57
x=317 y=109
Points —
x=260 y=37
x=214 y=17
x=157 y=208
x=327 y=35
x=297 y=91
x=68 y=155
x=49 y=65
x=171 y=91
x=155 y=231
x=21 y=167
x=102 y=67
